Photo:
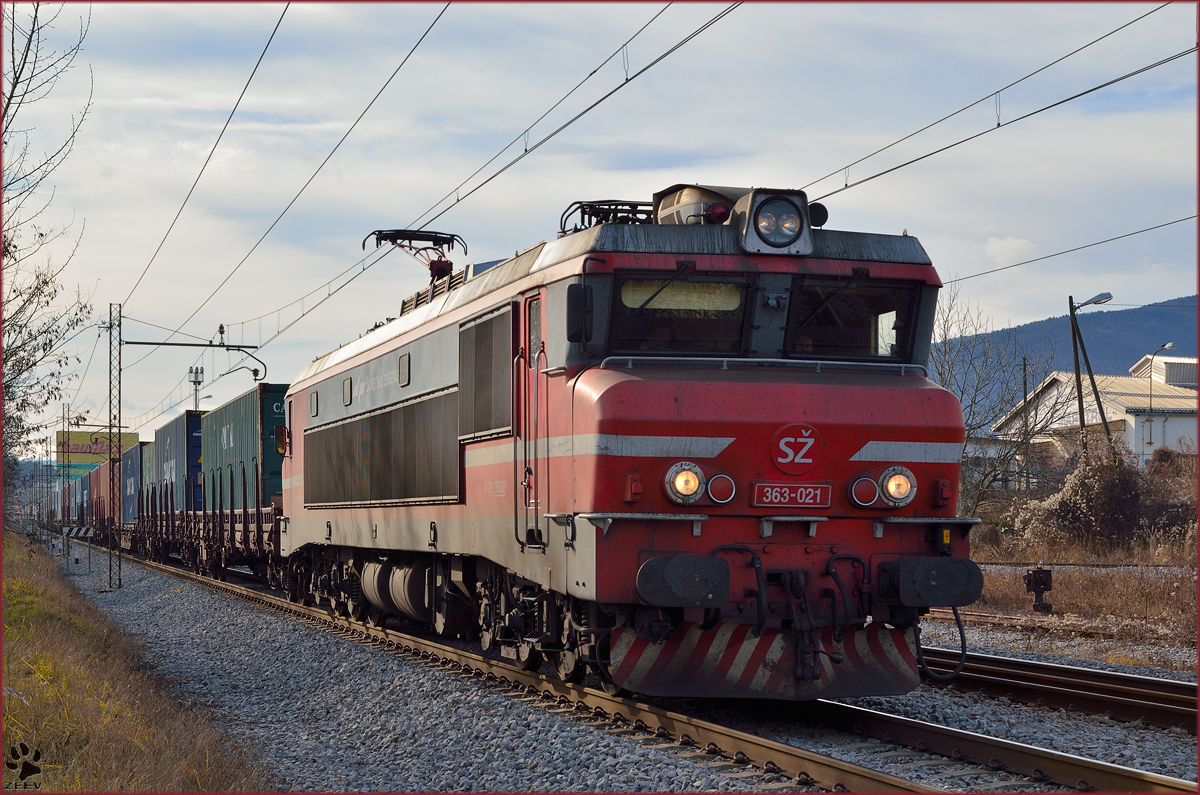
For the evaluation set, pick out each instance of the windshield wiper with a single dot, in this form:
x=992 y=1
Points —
x=853 y=281
x=684 y=267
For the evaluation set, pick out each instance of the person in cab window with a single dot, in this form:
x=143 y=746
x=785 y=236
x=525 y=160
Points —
x=660 y=338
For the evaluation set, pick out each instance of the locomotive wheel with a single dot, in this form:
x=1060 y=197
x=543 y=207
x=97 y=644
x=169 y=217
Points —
x=375 y=617
x=567 y=666
x=529 y=658
x=358 y=612
x=608 y=685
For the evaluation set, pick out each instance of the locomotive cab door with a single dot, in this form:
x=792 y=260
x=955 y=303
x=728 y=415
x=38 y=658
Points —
x=533 y=485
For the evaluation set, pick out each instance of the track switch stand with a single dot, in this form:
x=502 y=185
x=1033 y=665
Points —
x=1037 y=582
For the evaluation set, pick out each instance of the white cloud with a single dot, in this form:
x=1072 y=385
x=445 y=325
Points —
x=1008 y=250
x=774 y=94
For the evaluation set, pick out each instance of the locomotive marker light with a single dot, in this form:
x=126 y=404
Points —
x=685 y=482
x=864 y=492
x=897 y=486
x=717 y=213
x=721 y=489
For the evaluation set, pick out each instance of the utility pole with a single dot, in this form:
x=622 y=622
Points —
x=64 y=454
x=1078 y=382
x=114 y=439
x=1077 y=347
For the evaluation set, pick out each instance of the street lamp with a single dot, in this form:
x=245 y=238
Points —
x=1076 y=347
x=1170 y=346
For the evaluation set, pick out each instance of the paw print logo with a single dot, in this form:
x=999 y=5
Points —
x=20 y=758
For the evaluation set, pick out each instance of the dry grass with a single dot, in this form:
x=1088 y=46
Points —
x=74 y=690
x=1148 y=595
x=1141 y=603
x=991 y=545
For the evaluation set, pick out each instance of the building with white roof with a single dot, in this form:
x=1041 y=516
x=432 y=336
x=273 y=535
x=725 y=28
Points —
x=1147 y=409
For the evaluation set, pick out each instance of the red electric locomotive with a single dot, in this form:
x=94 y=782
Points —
x=689 y=445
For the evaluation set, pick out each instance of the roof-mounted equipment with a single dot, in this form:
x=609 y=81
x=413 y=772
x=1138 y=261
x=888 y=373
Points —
x=608 y=211
x=432 y=254
x=768 y=221
x=688 y=205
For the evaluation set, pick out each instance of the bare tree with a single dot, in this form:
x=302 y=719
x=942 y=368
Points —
x=40 y=318
x=990 y=371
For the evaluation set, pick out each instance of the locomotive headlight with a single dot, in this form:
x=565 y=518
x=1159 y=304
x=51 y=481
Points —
x=897 y=486
x=685 y=482
x=779 y=222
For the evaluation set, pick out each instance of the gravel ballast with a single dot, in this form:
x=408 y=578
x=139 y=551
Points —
x=321 y=713
x=294 y=695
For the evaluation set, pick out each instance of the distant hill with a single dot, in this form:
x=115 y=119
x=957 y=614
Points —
x=1116 y=340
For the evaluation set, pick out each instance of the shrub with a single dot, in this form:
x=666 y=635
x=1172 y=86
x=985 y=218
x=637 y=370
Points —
x=1108 y=503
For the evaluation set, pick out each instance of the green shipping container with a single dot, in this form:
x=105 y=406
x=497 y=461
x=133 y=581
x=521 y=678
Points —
x=242 y=433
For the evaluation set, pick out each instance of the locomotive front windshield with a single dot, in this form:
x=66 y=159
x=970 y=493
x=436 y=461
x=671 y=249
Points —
x=841 y=319
x=670 y=316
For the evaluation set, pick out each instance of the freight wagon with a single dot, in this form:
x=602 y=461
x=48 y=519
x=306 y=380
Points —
x=177 y=465
x=241 y=466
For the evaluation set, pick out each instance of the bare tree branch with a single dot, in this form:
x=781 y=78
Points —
x=989 y=371
x=39 y=316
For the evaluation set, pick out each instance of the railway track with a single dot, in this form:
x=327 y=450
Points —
x=1035 y=623
x=732 y=752
x=1125 y=697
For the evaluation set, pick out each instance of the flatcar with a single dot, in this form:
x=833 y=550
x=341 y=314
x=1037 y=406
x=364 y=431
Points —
x=689 y=445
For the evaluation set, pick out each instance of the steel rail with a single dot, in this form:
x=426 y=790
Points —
x=1040 y=764
x=1159 y=702
x=806 y=767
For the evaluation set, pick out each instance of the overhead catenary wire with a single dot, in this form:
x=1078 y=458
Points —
x=725 y=12
x=1093 y=89
x=302 y=188
x=525 y=133
x=82 y=329
x=361 y=268
x=1068 y=251
x=330 y=291
x=87 y=366
x=125 y=318
x=159 y=409
x=210 y=154
x=326 y=286
x=153 y=413
x=128 y=319
x=984 y=98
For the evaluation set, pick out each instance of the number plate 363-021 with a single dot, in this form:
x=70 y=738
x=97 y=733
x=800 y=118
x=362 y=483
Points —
x=792 y=495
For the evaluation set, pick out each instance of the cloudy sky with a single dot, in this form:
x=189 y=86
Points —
x=773 y=94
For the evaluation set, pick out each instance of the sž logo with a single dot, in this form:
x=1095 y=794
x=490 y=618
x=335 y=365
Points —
x=796 y=448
